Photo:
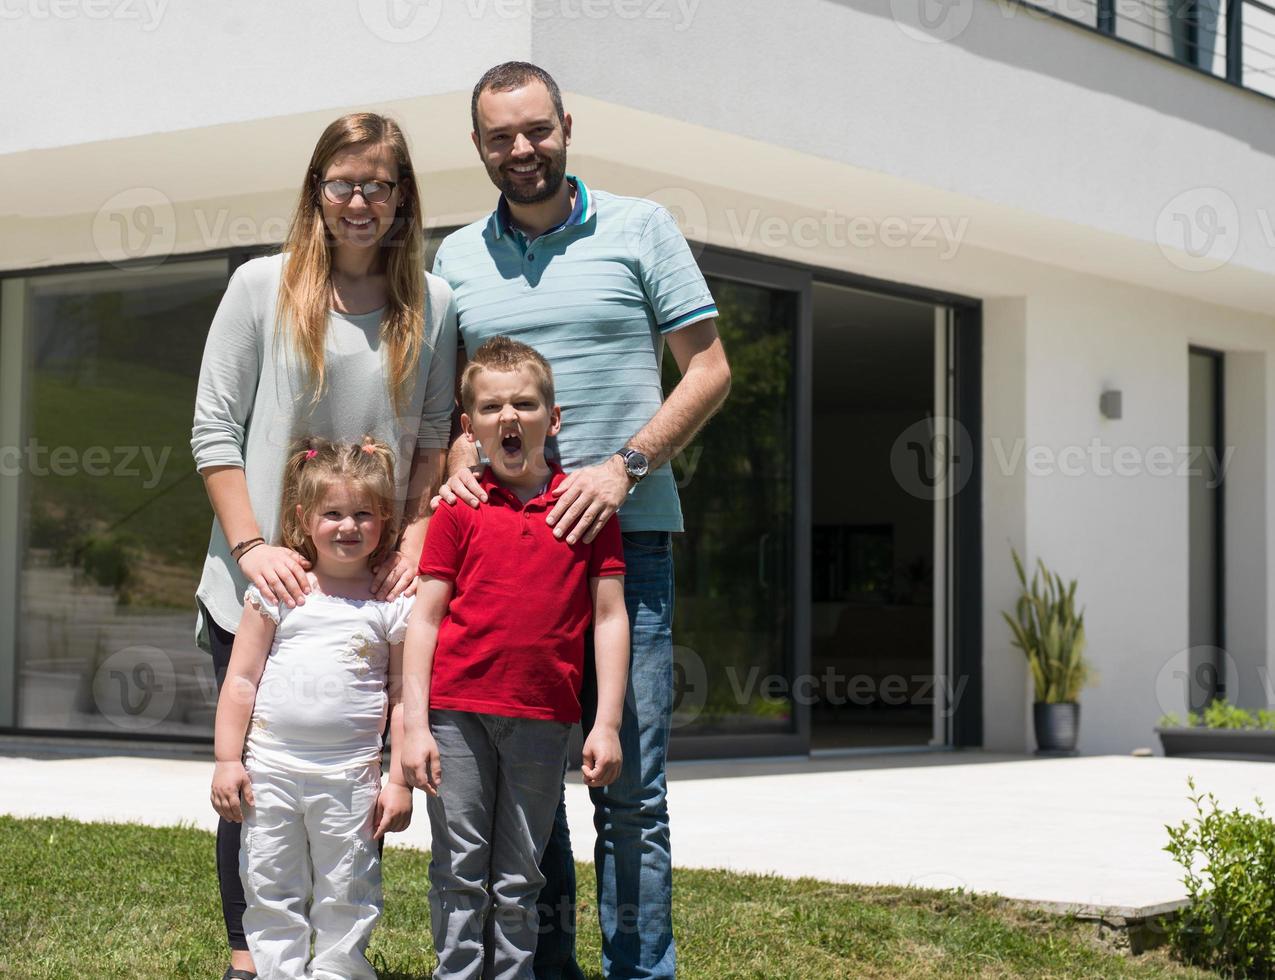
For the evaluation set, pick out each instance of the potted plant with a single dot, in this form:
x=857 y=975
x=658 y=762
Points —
x=1222 y=731
x=1051 y=633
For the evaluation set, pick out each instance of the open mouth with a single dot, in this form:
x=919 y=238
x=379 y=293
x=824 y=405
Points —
x=358 y=224
x=511 y=444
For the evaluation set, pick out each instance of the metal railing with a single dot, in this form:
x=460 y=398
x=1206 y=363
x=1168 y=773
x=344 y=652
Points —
x=1230 y=39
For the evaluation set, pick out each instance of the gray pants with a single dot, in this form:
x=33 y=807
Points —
x=502 y=778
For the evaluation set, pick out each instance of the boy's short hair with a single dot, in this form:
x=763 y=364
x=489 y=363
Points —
x=505 y=354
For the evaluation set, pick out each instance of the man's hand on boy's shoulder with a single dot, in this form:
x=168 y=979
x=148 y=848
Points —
x=587 y=499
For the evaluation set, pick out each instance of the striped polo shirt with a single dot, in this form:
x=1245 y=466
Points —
x=595 y=296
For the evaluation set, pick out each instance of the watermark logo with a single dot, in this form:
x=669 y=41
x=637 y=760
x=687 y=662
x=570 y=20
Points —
x=644 y=226
x=401 y=21
x=939 y=881
x=932 y=458
x=932 y=21
x=1192 y=675
x=755 y=229
x=1097 y=458
x=1199 y=229
x=147 y=14
x=690 y=686
x=136 y=226
x=407 y=21
x=135 y=688
x=144 y=463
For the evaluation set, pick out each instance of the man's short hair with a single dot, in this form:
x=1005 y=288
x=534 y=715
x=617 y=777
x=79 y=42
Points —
x=504 y=354
x=511 y=75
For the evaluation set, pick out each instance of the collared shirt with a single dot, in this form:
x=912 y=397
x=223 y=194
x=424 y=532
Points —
x=595 y=296
x=512 y=641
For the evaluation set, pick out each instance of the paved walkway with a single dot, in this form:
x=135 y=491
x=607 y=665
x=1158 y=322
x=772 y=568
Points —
x=1081 y=834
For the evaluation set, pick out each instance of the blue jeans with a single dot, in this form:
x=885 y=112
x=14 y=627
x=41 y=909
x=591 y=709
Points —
x=632 y=858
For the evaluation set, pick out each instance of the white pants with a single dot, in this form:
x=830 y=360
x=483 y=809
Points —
x=311 y=869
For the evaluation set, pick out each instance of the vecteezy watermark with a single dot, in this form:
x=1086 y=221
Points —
x=407 y=21
x=1097 y=458
x=932 y=458
x=750 y=229
x=749 y=689
x=126 y=462
x=835 y=688
x=147 y=13
x=946 y=233
x=1191 y=677
x=1199 y=229
x=139 y=226
x=135 y=688
x=932 y=21
x=690 y=686
x=926 y=459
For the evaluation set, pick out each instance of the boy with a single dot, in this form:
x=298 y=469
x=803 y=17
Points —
x=492 y=668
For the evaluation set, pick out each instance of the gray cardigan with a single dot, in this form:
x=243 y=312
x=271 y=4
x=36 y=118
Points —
x=253 y=402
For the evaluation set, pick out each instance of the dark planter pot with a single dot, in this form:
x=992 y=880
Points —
x=1245 y=744
x=1057 y=727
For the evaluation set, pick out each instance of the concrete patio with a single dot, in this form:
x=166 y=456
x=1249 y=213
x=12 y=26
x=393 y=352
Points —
x=1083 y=834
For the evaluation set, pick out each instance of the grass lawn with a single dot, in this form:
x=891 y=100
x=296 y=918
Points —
x=96 y=902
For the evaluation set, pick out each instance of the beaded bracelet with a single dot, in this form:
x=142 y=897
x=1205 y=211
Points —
x=243 y=547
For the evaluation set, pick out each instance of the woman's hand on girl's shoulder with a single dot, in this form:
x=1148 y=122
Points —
x=280 y=573
x=393 y=576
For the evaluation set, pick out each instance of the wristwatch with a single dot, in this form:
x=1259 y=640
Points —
x=635 y=464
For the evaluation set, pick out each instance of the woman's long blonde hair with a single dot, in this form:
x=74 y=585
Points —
x=305 y=291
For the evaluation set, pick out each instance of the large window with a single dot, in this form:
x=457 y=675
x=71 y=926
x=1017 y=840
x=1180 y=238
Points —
x=98 y=372
x=732 y=624
x=112 y=515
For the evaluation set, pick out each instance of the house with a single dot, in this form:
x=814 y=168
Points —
x=992 y=275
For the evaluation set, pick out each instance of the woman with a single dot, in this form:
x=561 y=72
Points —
x=343 y=334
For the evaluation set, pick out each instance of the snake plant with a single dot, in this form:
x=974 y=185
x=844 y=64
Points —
x=1051 y=633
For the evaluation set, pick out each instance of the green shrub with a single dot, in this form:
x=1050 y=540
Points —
x=106 y=561
x=1229 y=859
x=1219 y=714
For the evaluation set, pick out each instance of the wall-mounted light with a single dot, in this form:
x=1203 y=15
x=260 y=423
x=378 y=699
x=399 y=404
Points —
x=1109 y=404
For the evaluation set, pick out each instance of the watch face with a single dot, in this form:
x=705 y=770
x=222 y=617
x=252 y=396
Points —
x=636 y=464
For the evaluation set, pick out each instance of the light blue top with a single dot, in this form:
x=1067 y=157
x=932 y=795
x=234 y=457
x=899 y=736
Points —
x=595 y=296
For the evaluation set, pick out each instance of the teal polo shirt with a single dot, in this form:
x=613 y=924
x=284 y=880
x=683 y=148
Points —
x=595 y=296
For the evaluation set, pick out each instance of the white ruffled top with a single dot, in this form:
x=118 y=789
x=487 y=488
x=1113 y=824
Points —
x=322 y=699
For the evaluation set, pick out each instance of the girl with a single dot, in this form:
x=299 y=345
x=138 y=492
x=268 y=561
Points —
x=316 y=681
x=342 y=334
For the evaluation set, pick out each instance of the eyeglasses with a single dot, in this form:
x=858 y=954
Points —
x=373 y=191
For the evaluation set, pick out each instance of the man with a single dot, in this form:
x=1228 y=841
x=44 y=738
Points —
x=598 y=284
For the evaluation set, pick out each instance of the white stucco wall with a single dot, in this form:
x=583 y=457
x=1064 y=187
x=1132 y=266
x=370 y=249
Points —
x=991 y=101
x=1105 y=501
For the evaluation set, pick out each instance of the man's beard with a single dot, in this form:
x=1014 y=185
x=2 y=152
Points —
x=554 y=173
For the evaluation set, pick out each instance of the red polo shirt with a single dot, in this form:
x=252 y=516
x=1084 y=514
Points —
x=512 y=642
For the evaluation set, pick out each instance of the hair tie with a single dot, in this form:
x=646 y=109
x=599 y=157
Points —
x=311 y=453
x=369 y=448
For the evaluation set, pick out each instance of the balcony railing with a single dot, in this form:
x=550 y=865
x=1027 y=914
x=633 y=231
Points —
x=1231 y=39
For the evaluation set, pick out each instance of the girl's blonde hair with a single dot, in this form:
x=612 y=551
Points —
x=315 y=467
x=305 y=290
